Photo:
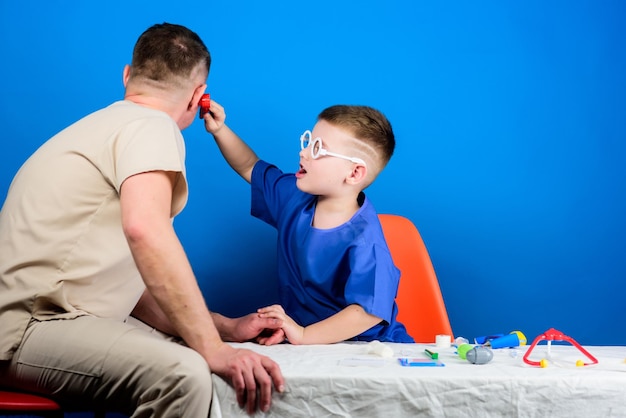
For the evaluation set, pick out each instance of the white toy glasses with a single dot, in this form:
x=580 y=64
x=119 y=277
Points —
x=318 y=150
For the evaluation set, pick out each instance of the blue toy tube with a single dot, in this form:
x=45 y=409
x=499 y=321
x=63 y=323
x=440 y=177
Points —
x=511 y=340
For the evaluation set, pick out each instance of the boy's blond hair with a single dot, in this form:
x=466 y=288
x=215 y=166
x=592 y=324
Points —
x=367 y=125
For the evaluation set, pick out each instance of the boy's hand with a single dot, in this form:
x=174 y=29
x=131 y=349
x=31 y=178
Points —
x=214 y=119
x=293 y=331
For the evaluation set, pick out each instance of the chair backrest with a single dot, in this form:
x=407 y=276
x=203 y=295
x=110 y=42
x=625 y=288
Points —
x=421 y=307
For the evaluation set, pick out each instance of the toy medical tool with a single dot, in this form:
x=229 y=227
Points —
x=432 y=354
x=514 y=339
x=463 y=349
x=555 y=335
x=443 y=341
x=205 y=105
x=419 y=362
x=479 y=355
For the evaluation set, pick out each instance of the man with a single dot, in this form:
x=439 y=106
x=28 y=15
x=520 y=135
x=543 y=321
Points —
x=86 y=238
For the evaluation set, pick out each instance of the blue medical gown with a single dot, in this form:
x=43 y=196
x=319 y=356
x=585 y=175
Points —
x=322 y=271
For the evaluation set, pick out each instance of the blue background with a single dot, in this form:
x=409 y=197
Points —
x=509 y=118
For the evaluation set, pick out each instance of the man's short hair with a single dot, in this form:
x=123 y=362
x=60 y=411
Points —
x=166 y=52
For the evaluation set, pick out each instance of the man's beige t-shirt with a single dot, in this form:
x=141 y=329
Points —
x=63 y=253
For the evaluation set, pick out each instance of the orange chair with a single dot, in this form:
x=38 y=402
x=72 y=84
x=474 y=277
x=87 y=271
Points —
x=420 y=303
x=19 y=403
x=15 y=403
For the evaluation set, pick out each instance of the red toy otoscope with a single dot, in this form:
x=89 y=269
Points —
x=205 y=105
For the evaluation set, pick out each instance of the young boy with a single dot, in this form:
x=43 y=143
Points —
x=336 y=277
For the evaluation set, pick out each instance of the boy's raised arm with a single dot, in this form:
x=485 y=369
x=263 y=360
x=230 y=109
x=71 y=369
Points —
x=236 y=152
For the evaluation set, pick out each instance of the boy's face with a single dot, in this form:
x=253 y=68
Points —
x=324 y=176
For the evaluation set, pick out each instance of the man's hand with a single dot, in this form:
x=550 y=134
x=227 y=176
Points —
x=253 y=327
x=249 y=373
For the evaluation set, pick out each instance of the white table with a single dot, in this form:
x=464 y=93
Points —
x=346 y=380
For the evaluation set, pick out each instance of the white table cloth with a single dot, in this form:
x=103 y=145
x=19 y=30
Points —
x=347 y=380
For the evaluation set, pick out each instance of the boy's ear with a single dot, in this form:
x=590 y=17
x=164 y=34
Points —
x=357 y=175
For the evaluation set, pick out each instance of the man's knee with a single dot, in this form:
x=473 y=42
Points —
x=194 y=373
x=183 y=389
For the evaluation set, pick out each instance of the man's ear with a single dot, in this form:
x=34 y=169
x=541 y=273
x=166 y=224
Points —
x=126 y=75
x=357 y=175
x=197 y=94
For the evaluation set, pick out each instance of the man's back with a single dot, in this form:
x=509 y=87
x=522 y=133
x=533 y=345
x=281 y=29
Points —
x=63 y=252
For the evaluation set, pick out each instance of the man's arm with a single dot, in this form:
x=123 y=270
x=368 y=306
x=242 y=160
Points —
x=149 y=311
x=236 y=152
x=146 y=204
x=245 y=328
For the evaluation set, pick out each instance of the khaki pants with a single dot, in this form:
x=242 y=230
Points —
x=121 y=366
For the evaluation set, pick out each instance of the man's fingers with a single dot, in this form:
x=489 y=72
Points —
x=265 y=388
x=277 y=336
x=253 y=376
x=274 y=372
x=250 y=392
x=240 y=389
